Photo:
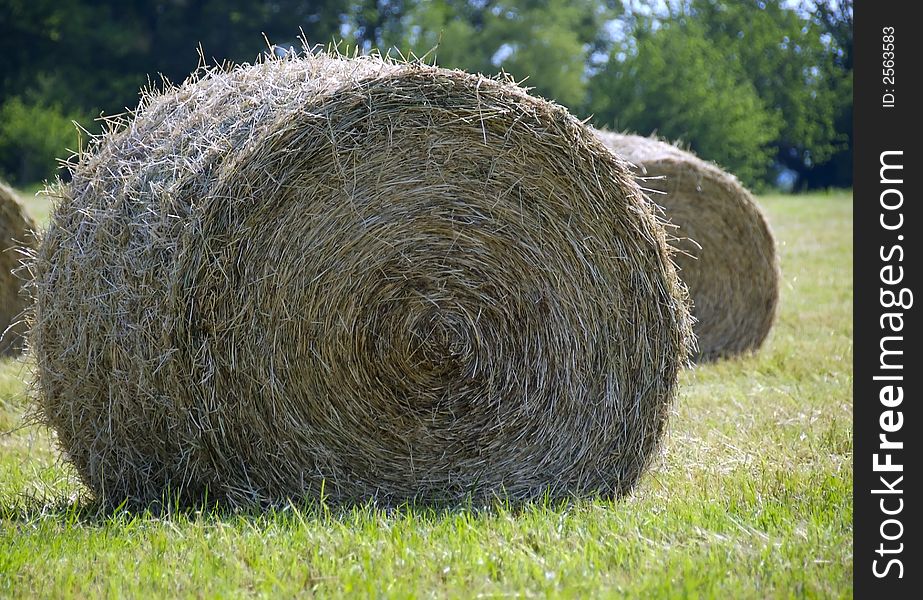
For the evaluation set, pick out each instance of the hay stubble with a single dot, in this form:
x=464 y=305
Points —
x=389 y=280
x=726 y=250
x=16 y=238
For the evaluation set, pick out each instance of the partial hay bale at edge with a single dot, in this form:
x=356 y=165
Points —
x=16 y=232
x=383 y=280
x=727 y=256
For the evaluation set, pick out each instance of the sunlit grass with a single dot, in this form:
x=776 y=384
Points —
x=752 y=497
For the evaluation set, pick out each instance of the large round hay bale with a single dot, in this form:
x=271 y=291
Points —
x=379 y=280
x=726 y=251
x=16 y=233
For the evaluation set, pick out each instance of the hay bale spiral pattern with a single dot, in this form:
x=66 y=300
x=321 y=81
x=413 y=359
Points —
x=726 y=250
x=386 y=280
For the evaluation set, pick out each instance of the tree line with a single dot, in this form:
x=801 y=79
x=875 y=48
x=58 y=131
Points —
x=763 y=87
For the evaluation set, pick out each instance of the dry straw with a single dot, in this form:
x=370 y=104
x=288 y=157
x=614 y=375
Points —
x=16 y=227
x=727 y=255
x=376 y=279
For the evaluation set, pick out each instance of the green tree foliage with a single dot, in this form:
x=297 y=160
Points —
x=771 y=78
x=835 y=20
x=751 y=84
x=90 y=57
x=372 y=24
x=32 y=136
x=678 y=85
x=792 y=62
x=100 y=53
x=547 y=42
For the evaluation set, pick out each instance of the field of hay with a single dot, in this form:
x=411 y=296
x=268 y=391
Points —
x=752 y=498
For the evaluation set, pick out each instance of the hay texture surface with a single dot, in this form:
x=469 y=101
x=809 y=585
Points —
x=392 y=281
x=16 y=229
x=726 y=250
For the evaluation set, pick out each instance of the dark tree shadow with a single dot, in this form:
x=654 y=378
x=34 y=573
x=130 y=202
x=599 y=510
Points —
x=85 y=510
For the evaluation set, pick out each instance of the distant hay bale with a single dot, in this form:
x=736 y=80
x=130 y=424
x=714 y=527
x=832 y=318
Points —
x=727 y=255
x=380 y=280
x=16 y=227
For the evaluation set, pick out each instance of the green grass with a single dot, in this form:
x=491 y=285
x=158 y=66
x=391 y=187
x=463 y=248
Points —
x=752 y=498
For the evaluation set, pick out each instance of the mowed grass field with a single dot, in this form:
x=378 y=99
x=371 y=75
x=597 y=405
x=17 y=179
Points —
x=752 y=496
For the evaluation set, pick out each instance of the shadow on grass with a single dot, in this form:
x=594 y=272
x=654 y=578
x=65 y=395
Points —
x=84 y=510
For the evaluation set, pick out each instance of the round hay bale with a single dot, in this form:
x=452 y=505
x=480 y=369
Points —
x=378 y=280
x=726 y=252
x=16 y=232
